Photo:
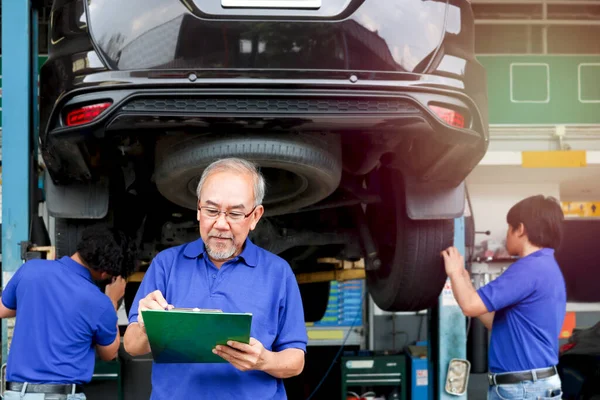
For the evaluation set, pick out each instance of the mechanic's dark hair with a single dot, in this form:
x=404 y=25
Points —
x=109 y=250
x=542 y=218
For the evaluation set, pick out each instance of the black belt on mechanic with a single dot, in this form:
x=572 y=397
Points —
x=516 y=377
x=43 y=388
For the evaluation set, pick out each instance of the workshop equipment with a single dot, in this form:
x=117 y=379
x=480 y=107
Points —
x=419 y=387
x=382 y=374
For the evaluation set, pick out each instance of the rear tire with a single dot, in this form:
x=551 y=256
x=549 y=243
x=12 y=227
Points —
x=412 y=275
x=67 y=233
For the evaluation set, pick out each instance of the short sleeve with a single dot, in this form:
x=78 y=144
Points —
x=154 y=279
x=106 y=330
x=9 y=294
x=511 y=287
x=292 y=329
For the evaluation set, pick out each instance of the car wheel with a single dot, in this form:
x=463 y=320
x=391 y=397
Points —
x=315 y=297
x=300 y=169
x=67 y=233
x=412 y=274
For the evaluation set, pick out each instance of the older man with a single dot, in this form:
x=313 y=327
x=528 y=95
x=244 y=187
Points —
x=225 y=270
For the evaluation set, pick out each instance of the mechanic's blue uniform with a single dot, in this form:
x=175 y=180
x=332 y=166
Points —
x=61 y=315
x=529 y=299
x=256 y=282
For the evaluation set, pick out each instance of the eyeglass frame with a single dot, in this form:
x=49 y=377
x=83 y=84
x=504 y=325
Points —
x=225 y=212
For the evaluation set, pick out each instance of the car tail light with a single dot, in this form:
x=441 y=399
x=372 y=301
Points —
x=451 y=117
x=566 y=346
x=85 y=114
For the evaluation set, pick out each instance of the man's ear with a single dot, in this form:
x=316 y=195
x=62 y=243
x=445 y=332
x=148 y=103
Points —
x=256 y=215
x=105 y=275
x=521 y=230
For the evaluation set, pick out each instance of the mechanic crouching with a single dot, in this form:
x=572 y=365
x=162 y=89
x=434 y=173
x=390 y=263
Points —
x=64 y=318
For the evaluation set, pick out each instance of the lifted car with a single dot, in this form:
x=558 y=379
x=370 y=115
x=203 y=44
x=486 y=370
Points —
x=365 y=117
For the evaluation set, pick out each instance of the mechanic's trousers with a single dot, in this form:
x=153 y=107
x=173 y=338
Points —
x=540 y=389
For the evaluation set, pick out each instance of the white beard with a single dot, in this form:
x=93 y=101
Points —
x=221 y=254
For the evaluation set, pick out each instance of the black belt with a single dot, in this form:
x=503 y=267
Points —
x=43 y=388
x=516 y=377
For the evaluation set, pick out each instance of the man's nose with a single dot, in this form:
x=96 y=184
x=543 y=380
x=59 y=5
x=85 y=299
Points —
x=221 y=222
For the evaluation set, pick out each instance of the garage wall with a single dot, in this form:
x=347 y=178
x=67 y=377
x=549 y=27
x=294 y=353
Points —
x=491 y=203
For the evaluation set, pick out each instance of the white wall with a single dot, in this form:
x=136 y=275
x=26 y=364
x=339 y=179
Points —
x=491 y=203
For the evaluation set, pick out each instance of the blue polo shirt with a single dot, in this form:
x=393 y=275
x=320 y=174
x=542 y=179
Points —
x=257 y=282
x=530 y=302
x=61 y=316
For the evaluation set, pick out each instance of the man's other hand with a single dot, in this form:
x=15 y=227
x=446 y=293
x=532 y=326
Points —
x=154 y=301
x=453 y=261
x=245 y=357
x=116 y=290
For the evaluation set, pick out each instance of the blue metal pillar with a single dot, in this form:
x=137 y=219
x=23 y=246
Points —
x=16 y=137
x=448 y=330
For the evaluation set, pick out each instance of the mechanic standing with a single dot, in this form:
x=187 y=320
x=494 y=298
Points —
x=63 y=316
x=524 y=307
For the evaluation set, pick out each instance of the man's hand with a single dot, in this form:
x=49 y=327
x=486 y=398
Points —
x=453 y=261
x=245 y=357
x=116 y=290
x=154 y=301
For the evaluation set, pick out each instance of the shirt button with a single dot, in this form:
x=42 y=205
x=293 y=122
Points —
x=214 y=276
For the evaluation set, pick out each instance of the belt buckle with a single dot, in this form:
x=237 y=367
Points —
x=3 y=379
x=491 y=379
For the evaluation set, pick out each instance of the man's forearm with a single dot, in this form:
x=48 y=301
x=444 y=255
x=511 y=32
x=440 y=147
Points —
x=285 y=364
x=135 y=340
x=466 y=296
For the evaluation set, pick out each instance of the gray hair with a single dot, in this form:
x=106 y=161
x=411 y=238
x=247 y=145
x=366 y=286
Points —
x=236 y=165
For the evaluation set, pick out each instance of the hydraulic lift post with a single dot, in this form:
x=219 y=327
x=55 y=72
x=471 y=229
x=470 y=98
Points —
x=447 y=331
x=19 y=49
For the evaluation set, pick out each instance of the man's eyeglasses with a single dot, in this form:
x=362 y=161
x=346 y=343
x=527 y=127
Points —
x=233 y=216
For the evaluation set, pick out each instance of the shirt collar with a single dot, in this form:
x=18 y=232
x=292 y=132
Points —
x=544 y=251
x=249 y=255
x=74 y=266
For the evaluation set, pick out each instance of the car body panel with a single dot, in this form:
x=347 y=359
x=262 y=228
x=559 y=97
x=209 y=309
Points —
x=165 y=34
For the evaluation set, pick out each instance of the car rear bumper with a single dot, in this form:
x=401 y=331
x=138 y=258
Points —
x=142 y=104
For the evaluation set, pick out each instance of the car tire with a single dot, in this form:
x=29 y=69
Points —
x=310 y=164
x=412 y=275
x=67 y=233
x=315 y=297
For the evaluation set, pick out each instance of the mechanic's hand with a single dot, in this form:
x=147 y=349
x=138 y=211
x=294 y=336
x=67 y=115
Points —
x=154 y=301
x=453 y=261
x=245 y=357
x=116 y=289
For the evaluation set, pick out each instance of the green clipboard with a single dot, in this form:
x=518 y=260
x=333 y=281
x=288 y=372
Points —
x=190 y=335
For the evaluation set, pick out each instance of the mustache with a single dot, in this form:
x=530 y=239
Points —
x=220 y=236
